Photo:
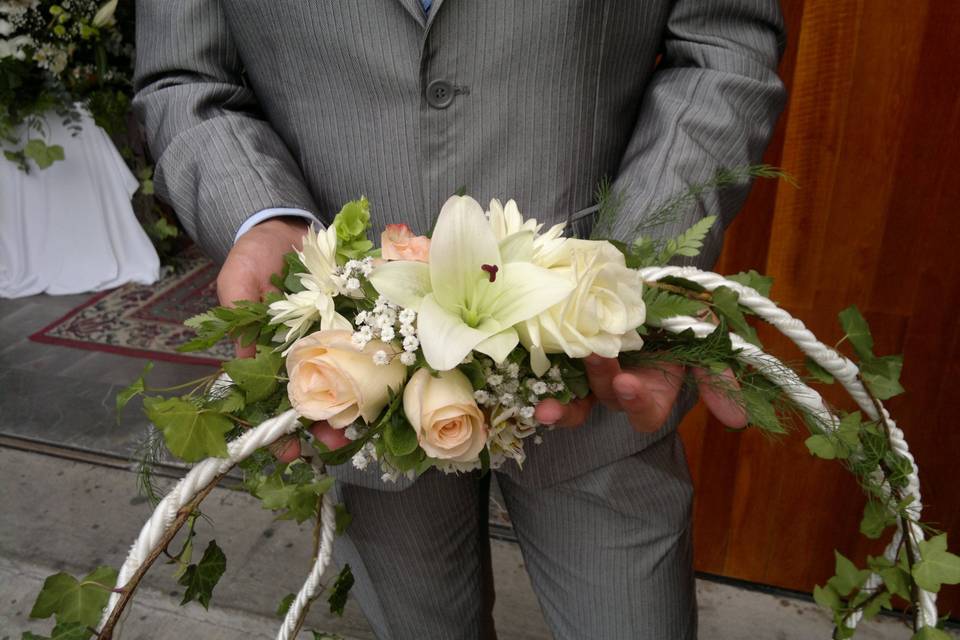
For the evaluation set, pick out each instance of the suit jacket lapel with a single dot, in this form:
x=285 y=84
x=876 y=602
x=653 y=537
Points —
x=415 y=9
x=434 y=10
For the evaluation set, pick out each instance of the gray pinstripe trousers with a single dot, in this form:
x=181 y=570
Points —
x=609 y=552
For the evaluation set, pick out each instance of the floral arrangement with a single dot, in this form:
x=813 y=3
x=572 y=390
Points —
x=435 y=351
x=62 y=57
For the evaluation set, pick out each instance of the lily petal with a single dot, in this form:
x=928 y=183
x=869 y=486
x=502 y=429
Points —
x=527 y=290
x=462 y=243
x=499 y=346
x=444 y=337
x=402 y=282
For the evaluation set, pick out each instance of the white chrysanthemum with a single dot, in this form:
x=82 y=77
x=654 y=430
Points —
x=298 y=311
x=539 y=248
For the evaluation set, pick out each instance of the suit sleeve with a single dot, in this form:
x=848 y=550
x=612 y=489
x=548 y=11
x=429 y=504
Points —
x=218 y=161
x=711 y=104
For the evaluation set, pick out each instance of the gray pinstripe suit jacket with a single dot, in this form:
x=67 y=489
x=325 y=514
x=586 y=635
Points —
x=251 y=104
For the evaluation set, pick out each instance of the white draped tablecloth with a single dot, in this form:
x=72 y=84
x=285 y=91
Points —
x=70 y=228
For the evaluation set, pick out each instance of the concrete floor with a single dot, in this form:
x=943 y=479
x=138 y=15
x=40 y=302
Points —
x=72 y=515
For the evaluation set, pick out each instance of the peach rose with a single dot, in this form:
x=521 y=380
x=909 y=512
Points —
x=398 y=243
x=448 y=422
x=334 y=380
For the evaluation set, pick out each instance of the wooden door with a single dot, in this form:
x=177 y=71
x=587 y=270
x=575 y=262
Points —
x=872 y=135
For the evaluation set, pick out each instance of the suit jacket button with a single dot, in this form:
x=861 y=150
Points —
x=439 y=94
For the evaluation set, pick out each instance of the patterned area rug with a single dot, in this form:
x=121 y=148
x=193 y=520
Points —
x=145 y=321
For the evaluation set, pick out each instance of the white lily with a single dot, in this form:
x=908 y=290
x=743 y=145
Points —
x=468 y=296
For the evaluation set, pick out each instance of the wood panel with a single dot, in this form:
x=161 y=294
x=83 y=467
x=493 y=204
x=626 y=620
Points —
x=872 y=135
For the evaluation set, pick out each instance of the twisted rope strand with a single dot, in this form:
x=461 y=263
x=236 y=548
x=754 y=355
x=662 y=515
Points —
x=312 y=585
x=844 y=370
x=183 y=492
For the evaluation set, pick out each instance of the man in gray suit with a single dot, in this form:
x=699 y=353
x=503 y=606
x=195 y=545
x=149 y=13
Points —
x=264 y=116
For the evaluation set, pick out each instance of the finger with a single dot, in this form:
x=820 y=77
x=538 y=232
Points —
x=287 y=449
x=332 y=438
x=718 y=392
x=647 y=395
x=600 y=374
x=235 y=282
x=571 y=414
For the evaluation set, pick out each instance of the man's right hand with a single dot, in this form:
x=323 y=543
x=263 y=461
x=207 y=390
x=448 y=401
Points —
x=256 y=256
x=245 y=275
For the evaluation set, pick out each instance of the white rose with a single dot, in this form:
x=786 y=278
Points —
x=443 y=412
x=333 y=379
x=600 y=316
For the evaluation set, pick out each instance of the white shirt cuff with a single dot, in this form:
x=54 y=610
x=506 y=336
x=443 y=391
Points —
x=274 y=212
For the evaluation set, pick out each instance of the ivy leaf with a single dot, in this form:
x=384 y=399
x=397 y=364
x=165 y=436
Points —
x=342 y=519
x=876 y=518
x=232 y=402
x=826 y=597
x=127 y=394
x=42 y=153
x=897 y=581
x=819 y=373
x=399 y=436
x=340 y=590
x=662 y=304
x=848 y=431
x=858 y=332
x=937 y=565
x=256 y=377
x=284 y=605
x=726 y=303
x=298 y=498
x=931 y=633
x=847 y=577
x=63 y=631
x=758 y=282
x=201 y=578
x=821 y=446
x=882 y=376
x=75 y=601
x=191 y=433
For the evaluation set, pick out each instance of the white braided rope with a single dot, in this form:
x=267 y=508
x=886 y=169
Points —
x=845 y=371
x=184 y=491
x=312 y=584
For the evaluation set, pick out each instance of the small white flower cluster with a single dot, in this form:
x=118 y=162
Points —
x=348 y=279
x=367 y=455
x=388 y=322
x=510 y=403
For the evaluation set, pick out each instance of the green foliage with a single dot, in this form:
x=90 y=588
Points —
x=256 y=377
x=876 y=518
x=937 y=565
x=399 y=436
x=688 y=243
x=42 y=153
x=247 y=322
x=881 y=375
x=201 y=578
x=293 y=488
x=124 y=396
x=342 y=519
x=284 y=605
x=62 y=631
x=725 y=302
x=662 y=304
x=759 y=283
x=75 y=601
x=191 y=433
x=340 y=591
x=351 y=224
x=817 y=372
